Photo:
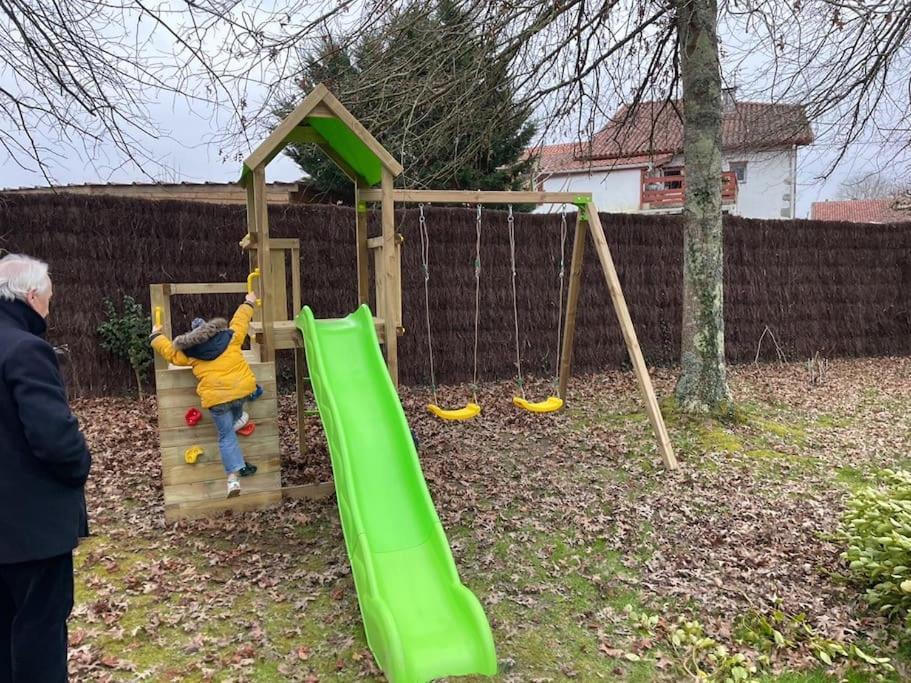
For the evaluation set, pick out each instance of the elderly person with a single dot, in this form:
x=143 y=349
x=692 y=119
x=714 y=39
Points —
x=44 y=463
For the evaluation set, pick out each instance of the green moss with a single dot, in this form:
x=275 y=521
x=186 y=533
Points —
x=793 y=433
x=830 y=421
x=733 y=414
x=670 y=410
x=718 y=440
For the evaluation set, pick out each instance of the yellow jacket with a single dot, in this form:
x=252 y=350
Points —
x=223 y=373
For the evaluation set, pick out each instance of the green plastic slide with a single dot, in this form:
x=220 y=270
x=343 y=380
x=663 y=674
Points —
x=421 y=622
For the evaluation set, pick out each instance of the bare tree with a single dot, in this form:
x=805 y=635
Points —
x=871 y=186
x=80 y=75
x=847 y=61
x=702 y=386
x=573 y=62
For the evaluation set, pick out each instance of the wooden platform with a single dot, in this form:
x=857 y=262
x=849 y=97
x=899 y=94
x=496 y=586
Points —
x=199 y=490
x=287 y=335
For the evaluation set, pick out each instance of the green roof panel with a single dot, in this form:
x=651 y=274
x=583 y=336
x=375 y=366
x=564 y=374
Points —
x=340 y=138
x=349 y=147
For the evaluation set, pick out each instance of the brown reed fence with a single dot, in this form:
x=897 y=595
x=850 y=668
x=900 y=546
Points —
x=840 y=289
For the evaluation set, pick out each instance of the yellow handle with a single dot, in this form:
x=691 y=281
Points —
x=252 y=276
x=158 y=316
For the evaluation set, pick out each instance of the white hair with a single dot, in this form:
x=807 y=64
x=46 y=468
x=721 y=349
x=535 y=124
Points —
x=20 y=275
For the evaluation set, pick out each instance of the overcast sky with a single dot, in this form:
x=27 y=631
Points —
x=190 y=151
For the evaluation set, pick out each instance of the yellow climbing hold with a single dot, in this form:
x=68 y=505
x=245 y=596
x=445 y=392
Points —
x=191 y=455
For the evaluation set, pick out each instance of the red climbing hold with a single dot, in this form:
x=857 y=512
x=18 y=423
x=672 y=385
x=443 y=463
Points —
x=193 y=417
x=247 y=429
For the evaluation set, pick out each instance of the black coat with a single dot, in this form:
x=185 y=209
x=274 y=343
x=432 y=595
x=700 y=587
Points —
x=44 y=460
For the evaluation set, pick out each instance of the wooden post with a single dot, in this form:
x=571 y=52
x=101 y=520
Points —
x=160 y=295
x=264 y=261
x=388 y=276
x=363 y=265
x=277 y=285
x=252 y=258
x=397 y=305
x=296 y=278
x=572 y=300
x=300 y=358
x=629 y=336
x=379 y=284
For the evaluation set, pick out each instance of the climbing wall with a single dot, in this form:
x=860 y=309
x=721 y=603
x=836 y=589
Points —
x=199 y=490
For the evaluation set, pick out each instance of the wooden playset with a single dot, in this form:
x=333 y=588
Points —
x=192 y=472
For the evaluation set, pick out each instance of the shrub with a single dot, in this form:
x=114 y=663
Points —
x=877 y=530
x=126 y=335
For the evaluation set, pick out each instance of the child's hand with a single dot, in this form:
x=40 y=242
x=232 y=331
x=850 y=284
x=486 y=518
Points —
x=156 y=329
x=251 y=298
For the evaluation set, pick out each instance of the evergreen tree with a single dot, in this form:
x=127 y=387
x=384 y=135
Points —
x=452 y=122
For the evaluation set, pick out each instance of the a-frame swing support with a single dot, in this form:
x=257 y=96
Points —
x=587 y=221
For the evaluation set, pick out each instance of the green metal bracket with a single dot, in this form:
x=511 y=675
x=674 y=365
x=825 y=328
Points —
x=362 y=207
x=582 y=203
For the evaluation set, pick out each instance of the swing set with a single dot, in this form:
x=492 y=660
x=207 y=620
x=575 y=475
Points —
x=587 y=222
x=472 y=409
x=321 y=120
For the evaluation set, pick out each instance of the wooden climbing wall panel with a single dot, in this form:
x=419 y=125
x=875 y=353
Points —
x=199 y=490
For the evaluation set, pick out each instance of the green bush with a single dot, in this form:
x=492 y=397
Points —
x=877 y=530
x=126 y=335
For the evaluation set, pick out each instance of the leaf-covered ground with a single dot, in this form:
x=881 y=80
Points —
x=592 y=562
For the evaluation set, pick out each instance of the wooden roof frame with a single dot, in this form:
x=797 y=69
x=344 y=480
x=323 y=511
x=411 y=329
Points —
x=323 y=104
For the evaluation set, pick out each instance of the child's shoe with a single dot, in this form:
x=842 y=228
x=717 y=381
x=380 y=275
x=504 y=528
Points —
x=241 y=422
x=233 y=487
x=247 y=470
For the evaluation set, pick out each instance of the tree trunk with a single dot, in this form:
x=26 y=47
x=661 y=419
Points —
x=702 y=387
x=139 y=383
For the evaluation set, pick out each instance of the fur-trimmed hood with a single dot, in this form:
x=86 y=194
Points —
x=201 y=334
x=206 y=342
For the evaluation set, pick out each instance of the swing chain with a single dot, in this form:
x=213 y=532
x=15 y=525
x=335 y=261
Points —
x=425 y=269
x=477 y=247
x=562 y=276
x=425 y=256
x=477 y=300
x=511 y=222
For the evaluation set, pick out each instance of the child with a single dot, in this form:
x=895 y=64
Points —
x=213 y=350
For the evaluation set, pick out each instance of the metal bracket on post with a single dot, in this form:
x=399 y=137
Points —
x=582 y=203
x=362 y=207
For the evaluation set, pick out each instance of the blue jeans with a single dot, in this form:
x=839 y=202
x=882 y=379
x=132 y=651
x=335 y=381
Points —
x=225 y=415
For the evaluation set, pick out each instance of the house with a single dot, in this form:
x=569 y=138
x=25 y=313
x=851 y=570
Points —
x=887 y=210
x=635 y=163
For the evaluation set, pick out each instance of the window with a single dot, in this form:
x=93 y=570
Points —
x=673 y=172
x=739 y=168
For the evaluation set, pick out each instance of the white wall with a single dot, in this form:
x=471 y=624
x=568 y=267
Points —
x=767 y=190
x=765 y=194
x=612 y=191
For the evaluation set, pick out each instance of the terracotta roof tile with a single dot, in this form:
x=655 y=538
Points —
x=652 y=131
x=860 y=211
x=571 y=156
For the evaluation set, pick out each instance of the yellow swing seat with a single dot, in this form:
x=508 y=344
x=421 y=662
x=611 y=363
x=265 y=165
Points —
x=469 y=411
x=550 y=405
